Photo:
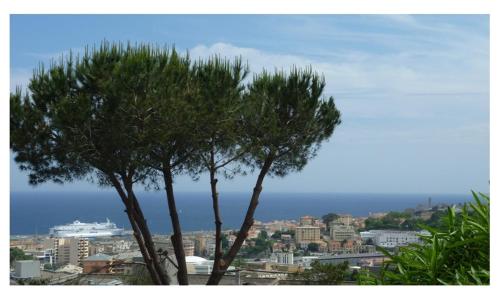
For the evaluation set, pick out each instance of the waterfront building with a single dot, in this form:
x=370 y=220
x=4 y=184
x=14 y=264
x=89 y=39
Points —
x=392 y=238
x=368 y=235
x=307 y=234
x=342 y=232
x=355 y=259
x=279 y=225
x=68 y=250
x=199 y=265
x=306 y=220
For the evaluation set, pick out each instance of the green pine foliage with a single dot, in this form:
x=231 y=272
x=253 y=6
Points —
x=122 y=115
x=287 y=119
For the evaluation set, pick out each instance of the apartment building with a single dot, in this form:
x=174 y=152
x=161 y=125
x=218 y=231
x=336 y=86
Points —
x=307 y=234
x=68 y=250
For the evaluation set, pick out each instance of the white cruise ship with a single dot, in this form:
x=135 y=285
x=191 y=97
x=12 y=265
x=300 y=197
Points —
x=86 y=230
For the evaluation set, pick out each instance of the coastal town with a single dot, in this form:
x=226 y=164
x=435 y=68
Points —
x=274 y=253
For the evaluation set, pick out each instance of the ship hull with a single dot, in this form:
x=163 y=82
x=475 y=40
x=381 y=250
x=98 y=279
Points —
x=86 y=230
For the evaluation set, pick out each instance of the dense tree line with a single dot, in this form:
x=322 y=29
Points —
x=390 y=221
x=18 y=254
x=404 y=221
x=123 y=115
x=262 y=245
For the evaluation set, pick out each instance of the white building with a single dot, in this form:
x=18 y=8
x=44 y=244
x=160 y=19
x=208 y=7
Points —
x=210 y=247
x=391 y=238
x=26 y=269
x=200 y=265
x=305 y=261
x=282 y=257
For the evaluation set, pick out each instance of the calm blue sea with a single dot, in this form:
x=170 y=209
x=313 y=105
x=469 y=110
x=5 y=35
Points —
x=36 y=212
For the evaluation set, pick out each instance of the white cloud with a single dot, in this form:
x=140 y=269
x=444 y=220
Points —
x=392 y=85
x=409 y=85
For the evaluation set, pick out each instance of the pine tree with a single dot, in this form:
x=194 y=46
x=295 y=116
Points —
x=285 y=121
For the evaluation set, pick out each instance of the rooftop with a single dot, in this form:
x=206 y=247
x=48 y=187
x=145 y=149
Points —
x=98 y=257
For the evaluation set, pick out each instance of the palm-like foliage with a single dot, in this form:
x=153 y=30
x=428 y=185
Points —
x=458 y=255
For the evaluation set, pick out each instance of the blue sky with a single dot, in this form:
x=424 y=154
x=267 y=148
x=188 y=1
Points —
x=413 y=89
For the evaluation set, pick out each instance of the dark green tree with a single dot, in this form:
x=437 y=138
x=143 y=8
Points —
x=327 y=218
x=276 y=235
x=219 y=135
x=263 y=235
x=224 y=242
x=392 y=220
x=436 y=220
x=285 y=121
x=169 y=132
x=18 y=254
x=80 y=120
x=313 y=247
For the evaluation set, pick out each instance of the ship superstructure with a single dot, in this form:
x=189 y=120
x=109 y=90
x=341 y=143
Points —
x=86 y=230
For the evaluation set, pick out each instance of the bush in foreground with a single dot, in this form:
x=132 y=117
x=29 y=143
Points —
x=456 y=255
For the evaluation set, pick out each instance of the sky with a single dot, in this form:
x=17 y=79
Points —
x=413 y=90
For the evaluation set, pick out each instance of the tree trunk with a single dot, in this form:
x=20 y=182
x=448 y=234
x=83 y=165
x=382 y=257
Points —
x=148 y=240
x=155 y=276
x=177 y=236
x=218 y=222
x=216 y=276
x=139 y=236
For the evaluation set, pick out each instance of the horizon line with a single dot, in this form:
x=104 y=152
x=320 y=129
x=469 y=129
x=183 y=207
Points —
x=268 y=192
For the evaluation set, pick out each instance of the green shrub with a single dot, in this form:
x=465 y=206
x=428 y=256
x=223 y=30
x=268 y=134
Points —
x=323 y=274
x=459 y=254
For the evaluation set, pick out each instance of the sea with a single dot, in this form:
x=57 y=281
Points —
x=35 y=212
